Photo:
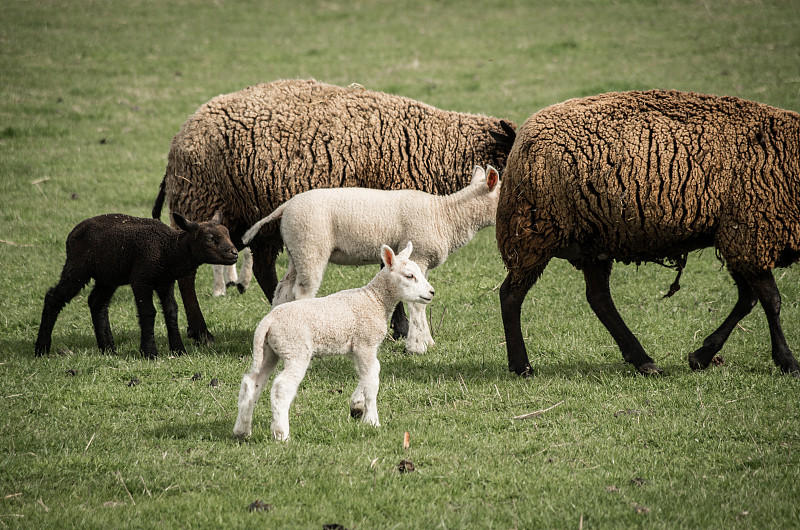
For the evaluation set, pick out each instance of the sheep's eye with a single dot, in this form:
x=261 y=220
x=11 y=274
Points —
x=410 y=276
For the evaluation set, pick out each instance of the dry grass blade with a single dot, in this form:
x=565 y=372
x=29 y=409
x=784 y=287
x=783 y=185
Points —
x=537 y=412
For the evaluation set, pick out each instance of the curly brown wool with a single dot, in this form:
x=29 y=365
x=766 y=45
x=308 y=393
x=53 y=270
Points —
x=247 y=152
x=651 y=176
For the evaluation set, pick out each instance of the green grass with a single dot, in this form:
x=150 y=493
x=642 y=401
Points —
x=90 y=95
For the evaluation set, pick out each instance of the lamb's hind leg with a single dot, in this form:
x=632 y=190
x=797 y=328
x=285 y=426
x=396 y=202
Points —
x=284 y=390
x=99 y=300
x=54 y=301
x=747 y=300
x=763 y=284
x=250 y=391
x=598 y=294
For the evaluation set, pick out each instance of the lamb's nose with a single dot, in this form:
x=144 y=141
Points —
x=432 y=293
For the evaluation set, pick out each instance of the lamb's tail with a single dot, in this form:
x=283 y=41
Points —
x=253 y=230
x=259 y=338
x=159 y=200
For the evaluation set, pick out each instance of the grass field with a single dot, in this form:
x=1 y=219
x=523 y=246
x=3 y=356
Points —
x=91 y=94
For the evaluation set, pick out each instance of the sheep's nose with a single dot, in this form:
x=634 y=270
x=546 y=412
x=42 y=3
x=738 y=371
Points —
x=432 y=293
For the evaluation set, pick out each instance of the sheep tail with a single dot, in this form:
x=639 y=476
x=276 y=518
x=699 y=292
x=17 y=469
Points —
x=251 y=233
x=159 y=200
x=259 y=339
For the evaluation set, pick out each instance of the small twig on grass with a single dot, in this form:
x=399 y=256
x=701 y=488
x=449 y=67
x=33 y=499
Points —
x=122 y=480
x=146 y=489
x=537 y=412
x=90 y=443
x=13 y=244
x=40 y=501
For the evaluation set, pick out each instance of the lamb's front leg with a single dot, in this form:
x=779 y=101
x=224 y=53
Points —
x=419 y=333
x=143 y=294
x=369 y=369
x=166 y=294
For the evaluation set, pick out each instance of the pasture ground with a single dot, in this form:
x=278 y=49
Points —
x=91 y=93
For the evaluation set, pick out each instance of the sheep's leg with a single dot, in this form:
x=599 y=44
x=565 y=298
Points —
x=512 y=294
x=598 y=293
x=196 y=328
x=54 y=301
x=143 y=294
x=767 y=291
x=419 y=332
x=284 y=390
x=265 y=253
x=166 y=294
x=219 y=286
x=399 y=322
x=369 y=369
x=250 y=391
x=246 y=272
x=702 y=357
x=99 y=300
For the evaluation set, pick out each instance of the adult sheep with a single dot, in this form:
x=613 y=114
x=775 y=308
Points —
x=650 y=176
x=247 y=152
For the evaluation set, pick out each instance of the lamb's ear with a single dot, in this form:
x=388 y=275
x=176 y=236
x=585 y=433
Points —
x=217 y=219
x=492 y=178
x=406 y=252
x=387 y=255
x=478 y=174
x=183 y=223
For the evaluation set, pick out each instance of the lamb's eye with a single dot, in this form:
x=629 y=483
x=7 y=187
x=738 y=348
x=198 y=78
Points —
x=410 y=276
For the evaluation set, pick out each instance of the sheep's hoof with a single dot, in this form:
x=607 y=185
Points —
x=650 y=369
x=241 y=288
x=525 y=371
x=200 y=337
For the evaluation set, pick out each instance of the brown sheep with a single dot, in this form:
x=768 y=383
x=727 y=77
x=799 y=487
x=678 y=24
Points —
x=247 y=152
x=651 y=176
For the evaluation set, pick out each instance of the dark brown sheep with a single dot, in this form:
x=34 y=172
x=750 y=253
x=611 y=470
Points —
x=247 y=152
x=650 y=176
x=117 y=249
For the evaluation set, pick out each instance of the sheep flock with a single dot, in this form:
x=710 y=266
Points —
x=629 y=177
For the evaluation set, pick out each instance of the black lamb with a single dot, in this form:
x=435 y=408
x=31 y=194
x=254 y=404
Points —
x=117 y=249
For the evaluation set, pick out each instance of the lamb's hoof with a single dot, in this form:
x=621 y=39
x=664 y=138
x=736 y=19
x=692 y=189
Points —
x=241 y=435
x=650 y=369
x=357 y=410
x=280 y=436
x=241 y=288
x=41 y=350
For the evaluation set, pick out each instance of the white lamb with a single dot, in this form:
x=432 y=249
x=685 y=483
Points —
x=347 y=226
x=351 y=322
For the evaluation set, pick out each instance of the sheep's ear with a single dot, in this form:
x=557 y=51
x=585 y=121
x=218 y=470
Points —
x=478 y=174
x=183 y=223
x=387 y=255
x=217 y=219
x=406 y=252
x=492 y=178
x=506 y=138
